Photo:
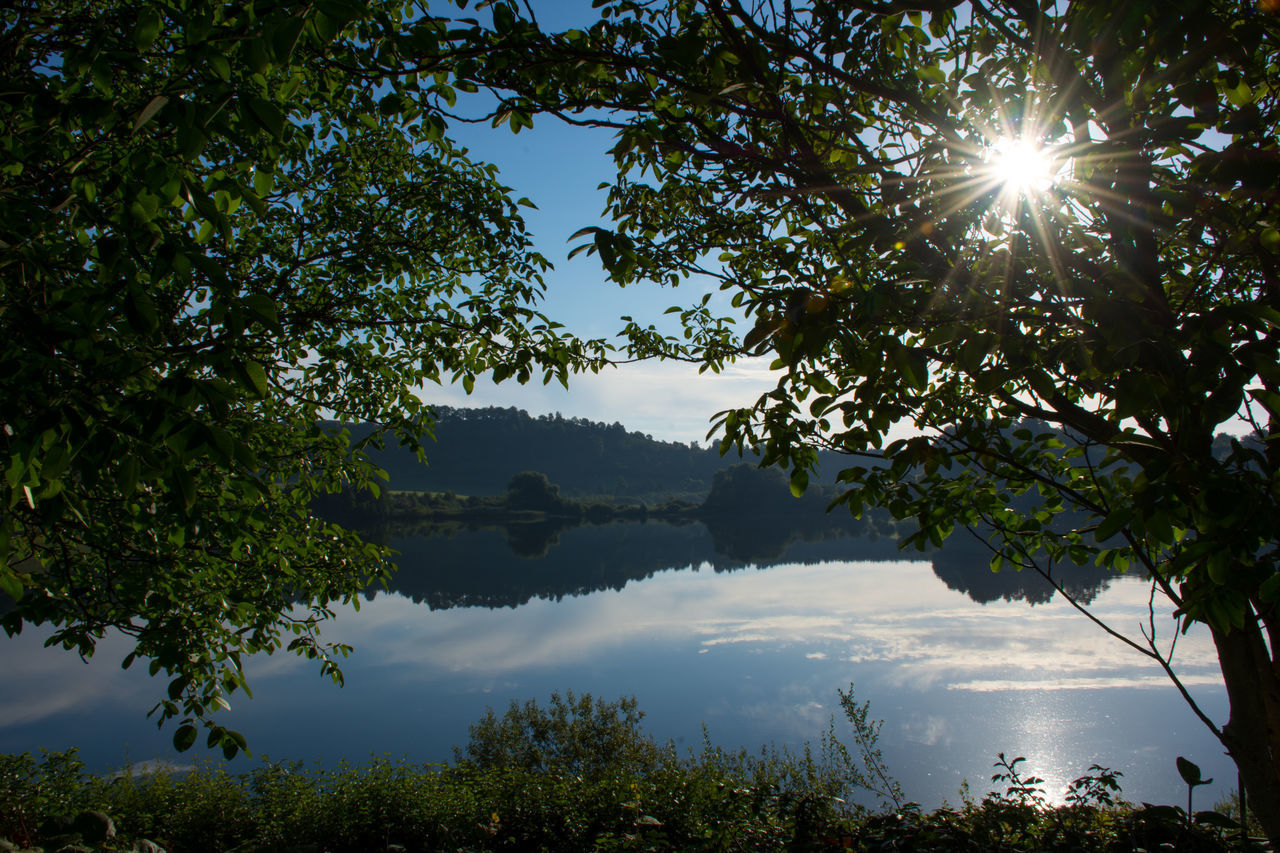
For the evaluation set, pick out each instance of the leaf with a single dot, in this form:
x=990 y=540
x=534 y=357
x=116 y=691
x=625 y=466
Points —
x=186 y=487
x=140 y=310
x=799 y=482
x=932 y=74
x=267 y=116
x=1112 y=524
x=1270 y=588
x=147 y=29
x=264 y=309
x=127 y=475
x=1269 y=399
x=148 y=112
x=285 y=37
x=263 y=181
x=1216 y=820
x=254 y=377
x=503 y=18
x=256 y=56
x=912 y=366
x=761 y=332
x=185 y=737
x=1189 y=771
x=10 y=583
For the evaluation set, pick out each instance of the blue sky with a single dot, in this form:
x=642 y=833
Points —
x=560 y=168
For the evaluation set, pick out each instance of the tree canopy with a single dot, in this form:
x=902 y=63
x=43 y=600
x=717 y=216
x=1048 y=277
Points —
x=949 y=216
x=219 y=224
x=223 y=224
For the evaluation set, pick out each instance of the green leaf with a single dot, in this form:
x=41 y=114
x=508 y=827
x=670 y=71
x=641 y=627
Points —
x=256 y=56
x=263 y=181
x=10 y=584
x=141 y=311
x=186 y=487
x=1216 y=820
x=285 y=36
x=147 y=28
x=264 y=309
x=1115 y=521
x=267 y=116
x=912 y=365
x=503 y=18
x=761 y=332
x=127 y=475
x=185 y=737
x=254 y=376
x=1240 y=95
x=1270 y=400
x=1270 y=588
x=1190 y=772
x=148 y=112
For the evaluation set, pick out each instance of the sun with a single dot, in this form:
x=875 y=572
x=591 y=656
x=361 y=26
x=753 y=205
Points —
x=1023 y=167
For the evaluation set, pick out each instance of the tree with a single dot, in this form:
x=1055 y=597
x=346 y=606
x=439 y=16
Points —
x=531 y=490
x=220 y=223
x=952 y=216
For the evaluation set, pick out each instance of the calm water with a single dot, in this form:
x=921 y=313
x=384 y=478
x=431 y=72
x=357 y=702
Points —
x=755 y=647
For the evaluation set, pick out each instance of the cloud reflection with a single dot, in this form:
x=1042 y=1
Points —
x=757 y=654
x=888 y=613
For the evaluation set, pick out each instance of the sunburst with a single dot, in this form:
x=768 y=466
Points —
x=1023 y=167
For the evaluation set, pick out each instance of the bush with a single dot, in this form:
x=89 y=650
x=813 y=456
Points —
x=581 y=774
x=32 y=791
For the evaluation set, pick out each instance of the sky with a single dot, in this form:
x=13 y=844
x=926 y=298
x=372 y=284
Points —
x=560 y=168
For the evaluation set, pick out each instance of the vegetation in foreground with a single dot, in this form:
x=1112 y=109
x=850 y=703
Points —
x=580 y=774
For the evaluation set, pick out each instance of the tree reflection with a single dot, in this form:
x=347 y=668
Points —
x=456 y=565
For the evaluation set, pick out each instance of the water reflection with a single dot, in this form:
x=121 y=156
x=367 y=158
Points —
x=460 y=566
x=685 y=622
x=882 y=612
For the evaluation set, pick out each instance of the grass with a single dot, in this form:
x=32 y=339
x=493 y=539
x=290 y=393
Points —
x=580 y=774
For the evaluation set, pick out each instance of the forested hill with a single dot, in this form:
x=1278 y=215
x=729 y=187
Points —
x=477 y=451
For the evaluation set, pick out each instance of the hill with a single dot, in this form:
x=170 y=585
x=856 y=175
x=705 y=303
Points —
x=477 y=451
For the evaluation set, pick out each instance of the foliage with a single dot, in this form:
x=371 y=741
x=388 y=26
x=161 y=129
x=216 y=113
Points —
x=868 y=771
x=31 y=790
x=531 y=490
x=581 y=774
x=840 y=167
x=576 y=774
x=575 y=734
x=220 y=223
x=478 y=450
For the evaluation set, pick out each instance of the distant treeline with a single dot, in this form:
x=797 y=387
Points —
x=742 y=497
x=477 y=451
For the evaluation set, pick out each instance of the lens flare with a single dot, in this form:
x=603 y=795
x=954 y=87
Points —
x=1022 y=166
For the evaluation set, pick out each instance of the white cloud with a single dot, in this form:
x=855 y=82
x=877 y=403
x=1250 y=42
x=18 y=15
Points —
x=669 y=400
x=893 y=614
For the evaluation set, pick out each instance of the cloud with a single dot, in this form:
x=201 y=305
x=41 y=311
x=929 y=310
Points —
x=894 y=615
x=669 y=400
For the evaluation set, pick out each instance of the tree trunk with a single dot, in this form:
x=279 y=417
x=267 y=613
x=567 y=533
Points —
x=1252 y=734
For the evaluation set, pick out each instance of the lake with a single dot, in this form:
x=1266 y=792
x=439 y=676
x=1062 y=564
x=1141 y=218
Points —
x=750 y=635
